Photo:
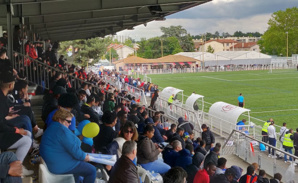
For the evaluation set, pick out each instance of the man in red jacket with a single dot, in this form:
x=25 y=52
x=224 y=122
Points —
x=203 y=176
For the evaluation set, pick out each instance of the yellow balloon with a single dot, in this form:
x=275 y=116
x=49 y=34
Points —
x=90 y=130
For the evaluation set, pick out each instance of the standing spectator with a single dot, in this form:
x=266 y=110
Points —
x=282 y=133
x=175 y=175
x=272 y=139
x=276 y=179
x=288 y=143
x=248 y=177
x=148 y=153
x=125 y=169
x=203 y=176
x=207 y=135
x=296 y=142
x=265 y=130
x=171 y=99
x=241 y=100
x=155 y=95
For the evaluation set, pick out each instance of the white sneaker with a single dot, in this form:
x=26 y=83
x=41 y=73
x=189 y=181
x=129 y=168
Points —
x=38 y=133
x=27 y=172
x=274 y=156
x=269 y=155
x=35 y=144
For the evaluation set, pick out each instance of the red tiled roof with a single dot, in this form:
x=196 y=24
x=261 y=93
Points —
x=222 y=41
x=165 y=59
x=245 y=45
x=198 y=44
x=115 y=46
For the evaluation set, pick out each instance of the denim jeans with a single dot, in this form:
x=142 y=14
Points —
x=289 y=150
x=272 y=141
x=85 y=170
x=157 y=166
x=5 y=159
x=22 y=121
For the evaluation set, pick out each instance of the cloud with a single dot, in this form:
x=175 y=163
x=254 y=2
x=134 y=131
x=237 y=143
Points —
x=222 y=9
x=217 y=15
x=199 y=26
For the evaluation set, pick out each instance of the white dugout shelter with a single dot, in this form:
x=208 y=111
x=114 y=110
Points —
x=168 y=91
x=192 y=100
x=224 y=116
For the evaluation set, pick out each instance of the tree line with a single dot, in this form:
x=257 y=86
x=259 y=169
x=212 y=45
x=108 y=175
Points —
x=279 y=39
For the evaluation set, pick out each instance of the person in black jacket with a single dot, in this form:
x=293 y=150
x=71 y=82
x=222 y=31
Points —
x=187 y=126
x=228 y=177
x=276 y=179
x=170 y=132
x=106 y=134
x=262 y=177
x=87 y=109
x=179 y=136
x=125 y=169
x=201 y=147
x=207 y=135
x=12 y=136
x=212 y=157
x=193 y=168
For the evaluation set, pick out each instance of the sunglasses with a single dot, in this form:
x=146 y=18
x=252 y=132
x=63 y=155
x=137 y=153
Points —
x=68 y=121
x=127 y=131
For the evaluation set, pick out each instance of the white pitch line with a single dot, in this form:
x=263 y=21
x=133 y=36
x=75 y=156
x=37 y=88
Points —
x=275 y=111
x=264 y=79
x=215 y=78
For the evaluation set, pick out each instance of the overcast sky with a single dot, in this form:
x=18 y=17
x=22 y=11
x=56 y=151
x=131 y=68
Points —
x=218 y=15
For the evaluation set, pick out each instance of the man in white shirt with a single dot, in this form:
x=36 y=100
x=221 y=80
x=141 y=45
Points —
x=272 y=139
x=282 y=132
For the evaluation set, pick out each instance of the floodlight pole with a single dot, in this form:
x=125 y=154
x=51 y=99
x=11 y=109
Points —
x=287 y=45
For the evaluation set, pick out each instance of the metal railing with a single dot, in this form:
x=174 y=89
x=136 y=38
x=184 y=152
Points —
x=247 y=148
x=176 y=111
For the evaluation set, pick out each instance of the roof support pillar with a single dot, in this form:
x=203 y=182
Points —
x=9 y=31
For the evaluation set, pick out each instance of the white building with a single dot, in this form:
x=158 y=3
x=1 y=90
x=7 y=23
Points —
x=229 y=57
x=123 y=51
x=218 y=45
x=244 y=39
x=250 y=46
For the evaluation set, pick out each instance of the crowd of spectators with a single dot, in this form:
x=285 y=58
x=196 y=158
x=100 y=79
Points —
x=138 y=139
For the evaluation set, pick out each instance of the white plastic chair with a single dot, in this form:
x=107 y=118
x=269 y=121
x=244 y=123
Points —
x=45 y=176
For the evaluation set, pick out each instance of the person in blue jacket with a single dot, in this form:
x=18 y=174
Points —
x=61 y=149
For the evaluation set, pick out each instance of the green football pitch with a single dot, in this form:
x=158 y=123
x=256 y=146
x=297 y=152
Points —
x=266 y=94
